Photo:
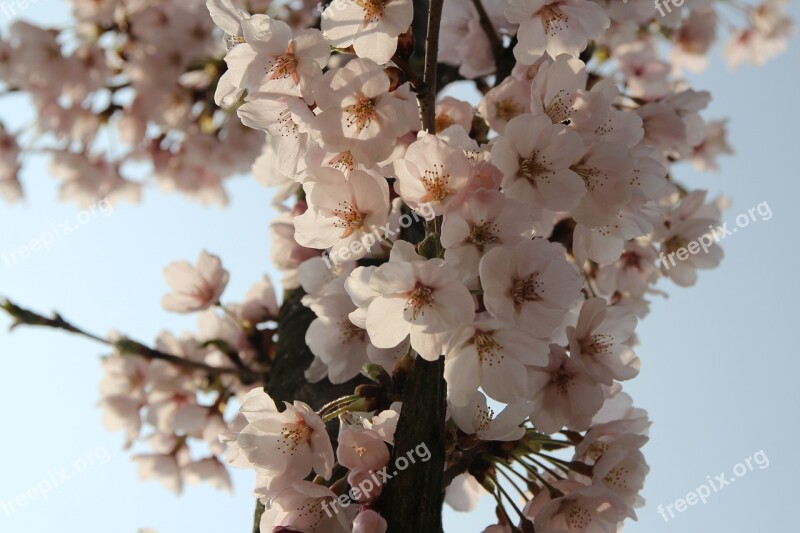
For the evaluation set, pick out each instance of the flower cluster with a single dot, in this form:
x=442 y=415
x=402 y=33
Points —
x=142 y=74
x=530 y=222
x=176 y=397
x=553 y=197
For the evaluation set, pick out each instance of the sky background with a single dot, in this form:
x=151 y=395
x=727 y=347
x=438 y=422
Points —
x=720 y=361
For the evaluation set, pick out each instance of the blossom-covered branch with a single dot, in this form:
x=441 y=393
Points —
x=463 y=276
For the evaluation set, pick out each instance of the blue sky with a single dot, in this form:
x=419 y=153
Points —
x=719 y=360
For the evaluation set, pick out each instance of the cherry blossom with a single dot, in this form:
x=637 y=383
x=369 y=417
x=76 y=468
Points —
x=500 y=239
x=273 y=60
x=362 y=449
x=599 y=341
x=688 y=222
x=195 y=287
x=486 y=220
x=532 y=286
x=300 y=508
x=287 y=120
x=342 y=211
x=432 y=172
x=10 y=187
x=506 y=101
x=369 y=521
x=557 y=86
x=580 y=509
x=535 y=157
x=451 y=111
x=371 y=27
x=463 y=42
x=566 y=395
x=357 y=111
x=555 y=26
x=423 y=299
x=292 y=442
x=494 y=358
x=475 y=417
x=339 y=344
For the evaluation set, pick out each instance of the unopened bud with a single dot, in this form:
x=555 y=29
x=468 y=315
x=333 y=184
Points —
x=376 y=373
x=406 y=44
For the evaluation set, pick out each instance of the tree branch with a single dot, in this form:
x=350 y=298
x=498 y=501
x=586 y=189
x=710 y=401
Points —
x=124 y=345
x=503 y=57
x=428 y=96
x=488 y=29
x=412 y=499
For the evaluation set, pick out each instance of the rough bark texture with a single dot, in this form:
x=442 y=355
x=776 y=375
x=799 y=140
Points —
x=412 y=499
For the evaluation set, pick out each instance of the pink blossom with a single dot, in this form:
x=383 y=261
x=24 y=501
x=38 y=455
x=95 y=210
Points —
x=555 y=26
x=599 y=341
x=432 y=172
x=370 y=26
x=566 y=395
x=195 y=287
x=531 y=285
x=535 y=157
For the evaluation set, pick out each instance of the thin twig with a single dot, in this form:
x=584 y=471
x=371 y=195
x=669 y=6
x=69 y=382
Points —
x=503 y=57
x=488 y=29
x=124 y=345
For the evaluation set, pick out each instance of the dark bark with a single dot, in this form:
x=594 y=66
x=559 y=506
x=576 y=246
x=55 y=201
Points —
x=412 y=499
x=287 y=382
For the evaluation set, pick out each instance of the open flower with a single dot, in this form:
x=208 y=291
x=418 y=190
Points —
x=432 y=172
x=477 y=418
x=557 y=86
x=622 y=469
x=370 y=26
x=535 y=157
x=287 y=119
x=581 y=509
x=342 y=212
x=423 y=299
x=288 y=444
x=494 y=358
x=531 y=285
x=195 y=288
x=486 y=220
x=305 y=506
x=566 y=395
x=607 y=171
x=506 y=101
x=555 y=26
x=358 y=112
x=272 y=60
x=599 y=341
